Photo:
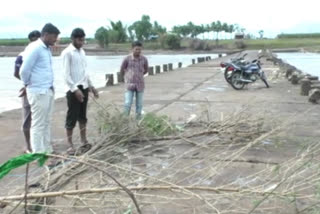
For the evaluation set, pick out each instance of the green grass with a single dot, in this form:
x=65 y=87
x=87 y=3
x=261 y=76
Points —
x=14 y=42
x=312 y=44
x=299 y=35
x=282 y=43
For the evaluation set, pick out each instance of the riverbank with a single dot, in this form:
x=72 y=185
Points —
x=236 y=166
x=94 y=50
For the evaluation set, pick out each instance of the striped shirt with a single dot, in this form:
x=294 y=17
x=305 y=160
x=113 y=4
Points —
x=74 y=65
x=133 y=70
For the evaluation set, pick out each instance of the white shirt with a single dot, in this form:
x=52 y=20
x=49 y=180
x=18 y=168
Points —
x=36 y=70
x=74 y=65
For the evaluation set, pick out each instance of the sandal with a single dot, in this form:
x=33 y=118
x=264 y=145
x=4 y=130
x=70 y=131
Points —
x=53 y=163
x=85 y=148
x=27 y=151
x=71 y=151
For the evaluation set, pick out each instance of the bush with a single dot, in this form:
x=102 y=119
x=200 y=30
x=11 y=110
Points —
x=101 y=36
x=113 y=36
x=197 y=44
x=170 y=41
x=157 y=125
x=240 y=44
x=113 y=121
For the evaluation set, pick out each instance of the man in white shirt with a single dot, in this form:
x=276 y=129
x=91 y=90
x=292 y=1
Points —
x=26 y=108
x=37 y=75
x=78 y=85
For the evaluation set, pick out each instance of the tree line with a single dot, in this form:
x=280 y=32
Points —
x=145 y=30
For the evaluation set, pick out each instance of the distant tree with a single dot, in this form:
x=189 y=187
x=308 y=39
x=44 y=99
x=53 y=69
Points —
x=225 y=28
x=237 y=28
x=102 y=37
x=142 y=29
x=261 y=32
x=120 y=31
x=193 y=29
x=201 y=29
x=113 y=36
x=132 y=35
x=183 y=30
x=158 y=29
x=213 y=27
x=208 y=29
x=217 y=28
x=171 y=41
x=231 y=30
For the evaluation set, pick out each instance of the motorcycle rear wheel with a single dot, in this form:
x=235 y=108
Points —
x=236 y=83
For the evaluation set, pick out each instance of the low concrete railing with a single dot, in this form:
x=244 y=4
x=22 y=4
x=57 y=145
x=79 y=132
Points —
x=152 y=70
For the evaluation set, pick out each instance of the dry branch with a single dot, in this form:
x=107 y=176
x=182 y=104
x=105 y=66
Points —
x=140 y=188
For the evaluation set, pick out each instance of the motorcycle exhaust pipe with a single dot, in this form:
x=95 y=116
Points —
x=246 y=81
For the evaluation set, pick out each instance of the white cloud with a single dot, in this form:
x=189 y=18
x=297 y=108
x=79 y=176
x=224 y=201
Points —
x=273 y=16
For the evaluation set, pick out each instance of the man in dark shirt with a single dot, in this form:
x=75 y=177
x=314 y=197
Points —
x=26 y=117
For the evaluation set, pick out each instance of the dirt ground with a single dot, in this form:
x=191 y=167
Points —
x=241 y=170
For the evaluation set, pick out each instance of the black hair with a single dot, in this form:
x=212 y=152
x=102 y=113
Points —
x=77 y=33
x=50 y=29
x=136 y=44
x=34 y=34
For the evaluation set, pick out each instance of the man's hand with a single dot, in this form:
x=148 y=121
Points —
x=22 y=92
x=79 y=95
x=95 y=92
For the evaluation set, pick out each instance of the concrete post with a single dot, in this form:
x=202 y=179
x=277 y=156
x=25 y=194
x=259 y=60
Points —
x=120 y=77
x=200 y=59
x=313 y=77
x=109 y=79
x=294 y=79
x=151 y=71
x=305 y=87
x=158 y=68
x=165 y=68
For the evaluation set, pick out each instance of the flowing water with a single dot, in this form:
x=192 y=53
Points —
x=98 y=66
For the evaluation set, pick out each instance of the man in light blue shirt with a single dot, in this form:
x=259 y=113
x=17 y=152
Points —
x=37 y=75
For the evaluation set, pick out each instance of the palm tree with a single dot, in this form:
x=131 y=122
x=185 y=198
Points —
x=225 y=28
x=218 y=30
x=261 y=32
x=208 y=29
x=231 y=30
x=213 y=27
x=121 y=35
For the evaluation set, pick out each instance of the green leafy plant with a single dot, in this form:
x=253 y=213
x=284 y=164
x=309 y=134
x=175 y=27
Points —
x=157 y=125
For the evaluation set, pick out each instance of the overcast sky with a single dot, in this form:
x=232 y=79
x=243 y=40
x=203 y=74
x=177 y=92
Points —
x=18 y=17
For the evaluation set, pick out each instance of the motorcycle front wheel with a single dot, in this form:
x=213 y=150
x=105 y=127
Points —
x=236 y=82
x=227 y=75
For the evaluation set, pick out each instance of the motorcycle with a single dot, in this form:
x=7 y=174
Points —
x=227 y=67
x=243 y=75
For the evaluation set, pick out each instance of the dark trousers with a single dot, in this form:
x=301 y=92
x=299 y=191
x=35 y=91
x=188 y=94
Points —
x=76 y=111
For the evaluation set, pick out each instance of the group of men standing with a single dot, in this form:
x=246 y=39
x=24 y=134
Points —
x=34 y=67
